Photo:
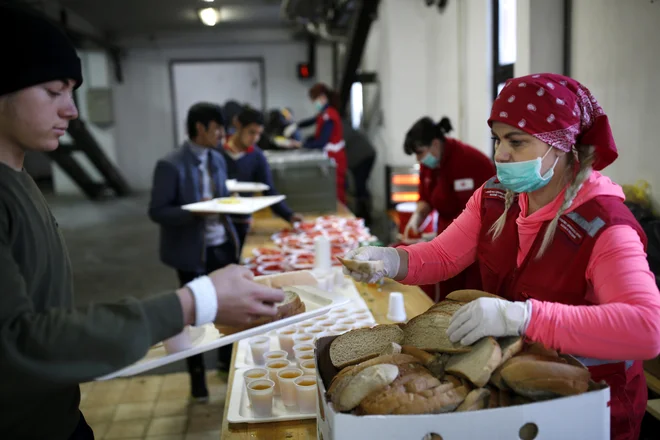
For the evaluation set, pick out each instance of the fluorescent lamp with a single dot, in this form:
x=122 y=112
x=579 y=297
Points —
x=209 y=16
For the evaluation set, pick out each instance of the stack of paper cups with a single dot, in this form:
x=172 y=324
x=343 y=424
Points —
x=322 y=255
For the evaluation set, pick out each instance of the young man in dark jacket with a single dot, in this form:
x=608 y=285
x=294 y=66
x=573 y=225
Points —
x=247 y=163
x=195 y=244
x=47 y=346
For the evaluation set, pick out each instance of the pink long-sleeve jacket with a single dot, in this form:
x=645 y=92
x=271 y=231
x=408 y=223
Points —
x=626 y=322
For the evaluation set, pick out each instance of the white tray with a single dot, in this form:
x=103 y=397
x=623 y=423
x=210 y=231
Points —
x=245 y=205
x=246 y=187
x=240 y=411
x=316 y=302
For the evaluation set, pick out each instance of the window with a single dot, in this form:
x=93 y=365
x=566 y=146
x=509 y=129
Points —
x=357 y=104
x=504 y=42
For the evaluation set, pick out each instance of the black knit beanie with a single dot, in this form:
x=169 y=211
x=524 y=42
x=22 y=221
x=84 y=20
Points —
x=33 y=51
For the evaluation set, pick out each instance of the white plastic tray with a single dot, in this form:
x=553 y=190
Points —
x=316 y=302
x=241 y=412
x=246 y=187
x=243 y=205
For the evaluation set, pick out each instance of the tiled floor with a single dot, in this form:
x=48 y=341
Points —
x=153 y=408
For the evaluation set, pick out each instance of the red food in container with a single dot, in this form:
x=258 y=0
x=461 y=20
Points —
x=304 y=226
x=270 y=268
x=265 y=251
x=264 y=259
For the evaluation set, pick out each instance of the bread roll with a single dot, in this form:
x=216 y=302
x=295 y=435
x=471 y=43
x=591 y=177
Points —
x=478 y=365
x=476 y=399
x=364 y=383
x=542 y=379
x=368 y=268
x=468 y=295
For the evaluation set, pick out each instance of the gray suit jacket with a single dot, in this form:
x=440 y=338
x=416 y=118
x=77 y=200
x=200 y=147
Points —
x=176 y=182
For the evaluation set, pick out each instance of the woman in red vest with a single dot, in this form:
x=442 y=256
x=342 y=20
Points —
x=554 y=238
x=329 y=135
x=450 y=172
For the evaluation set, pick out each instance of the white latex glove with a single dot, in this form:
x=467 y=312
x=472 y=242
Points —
x=389 y=256
x=290 y=129
x=489 y=317
x=413 y=225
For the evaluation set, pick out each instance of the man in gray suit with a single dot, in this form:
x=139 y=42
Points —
x=195 y=244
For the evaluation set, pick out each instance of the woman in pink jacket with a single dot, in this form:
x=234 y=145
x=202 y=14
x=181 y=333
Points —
x=553 y=237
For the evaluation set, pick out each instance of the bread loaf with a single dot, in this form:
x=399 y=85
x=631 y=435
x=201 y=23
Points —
x=393 y=348
x=536 y=348
x=494 y=397
x=476 y=399
x=396 y=399
x=468 y=295
x=510 y=347
x=447 y=307
x=428 y=332
x=367 y=381
x=435 y=363
x=362 y=344
x=477 y=365
x=542 y=379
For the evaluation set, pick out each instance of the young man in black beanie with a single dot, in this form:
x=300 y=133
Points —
x=48 y=347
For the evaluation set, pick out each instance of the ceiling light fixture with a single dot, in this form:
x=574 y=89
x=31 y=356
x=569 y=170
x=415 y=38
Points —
x=209 y=16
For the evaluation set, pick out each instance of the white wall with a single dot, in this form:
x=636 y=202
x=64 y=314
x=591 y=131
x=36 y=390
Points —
x=428 y=64
x=540 y=37
x=96 y=74
x=143 y=103
x=616 y=54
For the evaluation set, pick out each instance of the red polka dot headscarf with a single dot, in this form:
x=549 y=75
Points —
x=557 y=110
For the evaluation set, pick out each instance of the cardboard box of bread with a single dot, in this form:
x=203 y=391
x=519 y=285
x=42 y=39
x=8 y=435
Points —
x=408 y=381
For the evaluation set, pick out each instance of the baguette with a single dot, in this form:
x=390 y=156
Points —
x=478 y=365
x=542 y=380
x=367 y=381
x=468 y=295
x=476 y=399
x=362 y=344
x=536 y=348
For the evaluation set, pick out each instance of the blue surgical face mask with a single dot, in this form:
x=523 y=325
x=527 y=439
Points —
x=430 y=160
x=524 y=177
x=319 y=105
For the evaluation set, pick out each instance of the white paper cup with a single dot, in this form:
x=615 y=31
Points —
x=305 y=325
x=306 y=393
x=340 y=329
x=260 y=393
x=348 y=322
x=326 y=324
x=178 y=343
x=302 y=338
x=302 y=349
x=309 y=367
x=287 y=387
x=285 y=337
x=275 y=354
x=304 y=357
x=315 y=331
x=259 y=345
x=255 y=374
x=396 y=310
x=274 y=367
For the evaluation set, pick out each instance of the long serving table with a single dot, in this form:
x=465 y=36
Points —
x=377 y=298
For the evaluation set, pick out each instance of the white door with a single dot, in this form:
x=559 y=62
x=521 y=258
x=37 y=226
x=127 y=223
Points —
x=215 y=82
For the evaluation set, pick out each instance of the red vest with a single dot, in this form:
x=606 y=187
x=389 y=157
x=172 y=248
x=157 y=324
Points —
x=330 y=114
x=559 y=275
